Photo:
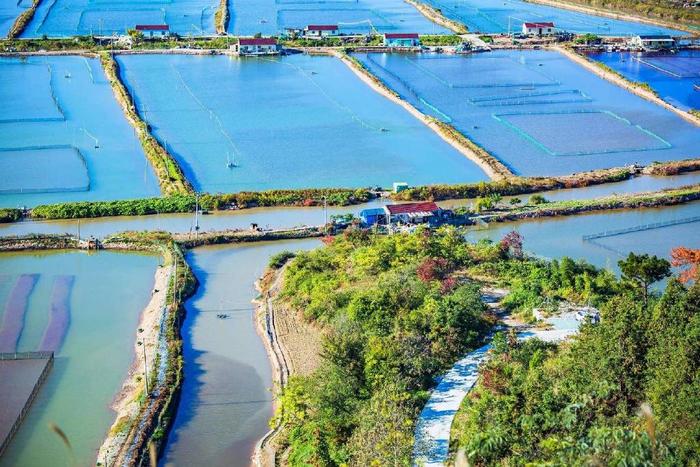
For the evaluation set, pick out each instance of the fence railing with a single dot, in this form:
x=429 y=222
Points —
x=639 y=228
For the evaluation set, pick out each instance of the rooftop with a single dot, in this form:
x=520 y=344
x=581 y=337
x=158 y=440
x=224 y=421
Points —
x=548 y=24
x=321 y=27
x=412 y=208
x=401 y=35
x=257 y=41
x=152 y=27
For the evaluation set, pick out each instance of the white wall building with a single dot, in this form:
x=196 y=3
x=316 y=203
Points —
x=538 y=29
x=320 y=31
x=256 y=46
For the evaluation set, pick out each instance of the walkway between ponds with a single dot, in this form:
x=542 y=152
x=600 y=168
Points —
x=432 y=433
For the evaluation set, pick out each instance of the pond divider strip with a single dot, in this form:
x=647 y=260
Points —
x=15 y=311
x=59 y=314
x=23 y=21
x=170 y=176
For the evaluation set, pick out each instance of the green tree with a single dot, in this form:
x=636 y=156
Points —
x=643 y=270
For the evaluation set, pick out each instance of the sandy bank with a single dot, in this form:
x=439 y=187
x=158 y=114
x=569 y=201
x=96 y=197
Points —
x=437 y=17
x=126 y=404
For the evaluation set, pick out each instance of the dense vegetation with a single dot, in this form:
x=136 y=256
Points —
x=186 y=203
x=623 y=392
x=397 y=311
x=396 y=314
x=10 y=215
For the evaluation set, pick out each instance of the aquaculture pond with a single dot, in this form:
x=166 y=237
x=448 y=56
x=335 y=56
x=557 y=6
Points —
x=85 y=307
x=287 y=217
x=61 y=18
x=9 y=11
x=504 y=16
x=291 y=122
x=63 y=137
x=537 y=111
x=272 y=17
x=226 y=401
x=672 y=75
x=558 y=237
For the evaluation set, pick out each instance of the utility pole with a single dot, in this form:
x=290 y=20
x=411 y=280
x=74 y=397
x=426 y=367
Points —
x=145 y=366
x=325 y=213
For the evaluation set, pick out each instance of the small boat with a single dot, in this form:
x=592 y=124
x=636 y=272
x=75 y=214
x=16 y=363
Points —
x=696 y=87
x=67 y=75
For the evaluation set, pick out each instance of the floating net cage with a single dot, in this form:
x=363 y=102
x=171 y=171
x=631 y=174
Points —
x=566 y=96
x=597 y=132
x=411 y=89
x=678 y=67
x=43 y=169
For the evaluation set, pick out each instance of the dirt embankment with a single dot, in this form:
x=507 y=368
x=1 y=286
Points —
x=126 y=403
x=293 y=346
x=437 y=17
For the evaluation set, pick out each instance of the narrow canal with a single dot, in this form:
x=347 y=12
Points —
x=226 y=399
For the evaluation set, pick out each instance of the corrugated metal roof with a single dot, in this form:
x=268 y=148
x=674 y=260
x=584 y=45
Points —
x=401 y=35
x=539 y=25
x=152 y=27
x=322 y=27
x=257 y=41
x=425 y=208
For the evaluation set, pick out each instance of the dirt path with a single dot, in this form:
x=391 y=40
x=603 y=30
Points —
x=624 y=83
x=434 y=425
x=126 y=403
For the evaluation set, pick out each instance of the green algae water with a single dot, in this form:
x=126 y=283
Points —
x=226 y=401
x=238 y=124
x=107 y=294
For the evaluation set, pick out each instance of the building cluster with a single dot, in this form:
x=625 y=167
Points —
x=405 y=214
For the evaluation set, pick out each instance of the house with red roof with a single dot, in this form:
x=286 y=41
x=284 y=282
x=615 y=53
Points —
x=401 y=39
x=320 y=31
x=538 y=29
x=256 y=46
x=151 y=30
x=411 y=213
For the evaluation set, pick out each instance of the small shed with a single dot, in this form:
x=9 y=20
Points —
x=320 y=31
x=256 y=46
x=538 y=29
x=154 y=30
x=372 y=216
x=408 y=39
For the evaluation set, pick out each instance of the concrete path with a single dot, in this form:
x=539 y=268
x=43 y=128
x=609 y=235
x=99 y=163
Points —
x=432 y=433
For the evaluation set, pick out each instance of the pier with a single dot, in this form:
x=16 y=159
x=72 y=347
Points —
x=21 y=376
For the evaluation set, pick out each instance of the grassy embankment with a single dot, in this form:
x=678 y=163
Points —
x=221 y=17
x=23 y=20
x=91 y=44
x=170 y=177
x=670 y=197
x=157 y=413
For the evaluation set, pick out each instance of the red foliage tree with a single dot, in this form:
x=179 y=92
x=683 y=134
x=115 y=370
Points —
x=687 y=258
x=512 y=243
x=432 y=269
